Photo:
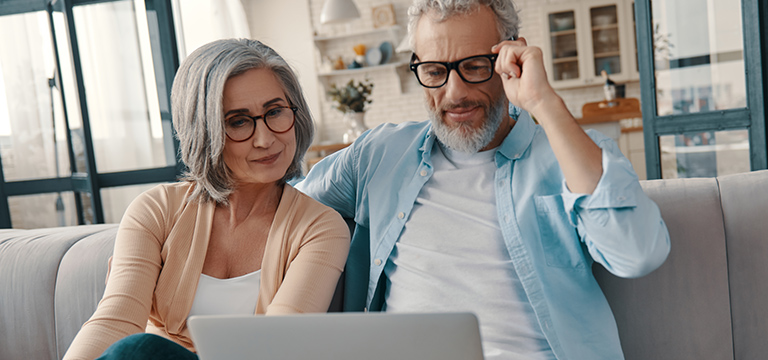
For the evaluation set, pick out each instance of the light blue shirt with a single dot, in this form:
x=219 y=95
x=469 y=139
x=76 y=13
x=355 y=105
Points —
x=553 y=236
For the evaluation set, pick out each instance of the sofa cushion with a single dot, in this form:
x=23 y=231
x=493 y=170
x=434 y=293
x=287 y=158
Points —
x=681 y=310
x=745 y=209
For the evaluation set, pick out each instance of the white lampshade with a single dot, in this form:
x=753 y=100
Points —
x=338 y=11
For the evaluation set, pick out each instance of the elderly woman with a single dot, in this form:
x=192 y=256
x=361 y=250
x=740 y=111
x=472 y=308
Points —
x=233 y=237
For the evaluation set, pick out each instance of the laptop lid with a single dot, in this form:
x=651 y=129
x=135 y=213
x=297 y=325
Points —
x=338 y=336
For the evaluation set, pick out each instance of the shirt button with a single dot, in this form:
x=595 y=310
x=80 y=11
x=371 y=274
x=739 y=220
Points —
x=506 y=218
x=423 y=173
x=401 y=215
x=517 y=155
x=621 y=198
x=377 y=262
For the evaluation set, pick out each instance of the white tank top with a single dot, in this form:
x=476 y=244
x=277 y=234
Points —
x=233 y=296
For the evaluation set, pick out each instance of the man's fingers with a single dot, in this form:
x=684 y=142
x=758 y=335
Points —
x=508 y=61
x=519 y=42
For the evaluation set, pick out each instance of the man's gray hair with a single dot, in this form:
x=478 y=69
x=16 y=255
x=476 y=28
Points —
x=507 y=20
x=198 y=117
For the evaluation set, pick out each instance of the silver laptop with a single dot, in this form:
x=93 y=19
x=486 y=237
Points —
x=338 y=336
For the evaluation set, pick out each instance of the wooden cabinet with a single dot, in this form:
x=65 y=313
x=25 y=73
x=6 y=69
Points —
x=583 y=38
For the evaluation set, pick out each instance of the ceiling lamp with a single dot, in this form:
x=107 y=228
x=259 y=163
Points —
x=338 y=11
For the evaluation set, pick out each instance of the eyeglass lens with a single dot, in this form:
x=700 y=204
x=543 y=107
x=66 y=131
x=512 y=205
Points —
x=472 y=70
x=242 y=127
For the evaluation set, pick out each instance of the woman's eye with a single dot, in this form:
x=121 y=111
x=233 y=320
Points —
x=238 y=121
x=274 y=112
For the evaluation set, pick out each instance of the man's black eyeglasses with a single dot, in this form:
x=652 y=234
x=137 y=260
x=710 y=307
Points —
x=434 y=74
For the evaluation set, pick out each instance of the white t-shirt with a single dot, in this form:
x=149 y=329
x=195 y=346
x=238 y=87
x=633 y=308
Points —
x=234 y=296
x=451 y=256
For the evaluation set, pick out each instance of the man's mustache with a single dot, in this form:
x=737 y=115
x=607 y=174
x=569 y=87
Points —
x=464 y=104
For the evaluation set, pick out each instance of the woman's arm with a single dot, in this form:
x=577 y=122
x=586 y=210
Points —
x=312 y=275
x=134 y=268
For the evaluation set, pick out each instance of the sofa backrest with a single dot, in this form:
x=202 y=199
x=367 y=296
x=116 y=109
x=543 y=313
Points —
x=708 y=300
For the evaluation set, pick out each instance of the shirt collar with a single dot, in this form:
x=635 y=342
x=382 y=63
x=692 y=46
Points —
x=429 y=142
x=519 y=138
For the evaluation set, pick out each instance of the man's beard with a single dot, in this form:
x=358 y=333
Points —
x=463 y=137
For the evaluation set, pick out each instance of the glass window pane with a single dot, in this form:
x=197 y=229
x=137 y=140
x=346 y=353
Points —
x=117 y=199
x=565 y=62
x=698 y=56
x=199 y=22
x=43 y=210
x=120 y=87
x=704 y=154
x=32 y=132
x=605 y=39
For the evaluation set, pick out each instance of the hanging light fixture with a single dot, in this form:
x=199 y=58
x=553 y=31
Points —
x=338 y=11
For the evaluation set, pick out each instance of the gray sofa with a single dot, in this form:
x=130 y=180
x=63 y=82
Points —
x=708 y=301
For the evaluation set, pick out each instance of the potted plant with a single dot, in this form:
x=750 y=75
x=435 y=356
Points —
x=351 y=100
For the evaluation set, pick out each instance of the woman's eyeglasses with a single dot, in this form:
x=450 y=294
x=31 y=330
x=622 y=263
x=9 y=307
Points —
x=278 y=119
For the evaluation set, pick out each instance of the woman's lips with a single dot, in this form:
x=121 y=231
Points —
x=267 y=160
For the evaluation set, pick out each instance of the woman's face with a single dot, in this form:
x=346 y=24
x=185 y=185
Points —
x=265 y=156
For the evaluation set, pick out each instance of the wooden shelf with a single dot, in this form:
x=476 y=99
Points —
x=563 y=32
x=605 y=27
x=607 y=54
x=396 y=67
x=565 y=59
x=363 y=69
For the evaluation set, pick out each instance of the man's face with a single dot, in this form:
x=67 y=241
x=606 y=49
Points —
x=465 y=116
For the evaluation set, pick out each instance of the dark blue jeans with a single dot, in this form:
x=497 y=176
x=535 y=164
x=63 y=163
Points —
x=146 y=347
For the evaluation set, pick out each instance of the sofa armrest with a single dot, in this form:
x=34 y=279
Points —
x=80 y=284
x=30 y=261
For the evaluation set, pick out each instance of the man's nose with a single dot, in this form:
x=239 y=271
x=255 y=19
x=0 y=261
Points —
x=456 y=89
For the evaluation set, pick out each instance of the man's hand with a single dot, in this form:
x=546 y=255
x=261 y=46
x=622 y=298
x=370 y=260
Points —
x=522 y=73
x=526 y=85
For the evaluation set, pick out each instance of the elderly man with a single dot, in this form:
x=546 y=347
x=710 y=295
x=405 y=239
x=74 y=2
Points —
x=481 y=209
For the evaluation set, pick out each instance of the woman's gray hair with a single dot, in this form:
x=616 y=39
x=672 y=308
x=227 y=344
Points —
x=198 y=117
x=507 y=20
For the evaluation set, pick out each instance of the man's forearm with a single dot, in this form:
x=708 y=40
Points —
x=579 y=157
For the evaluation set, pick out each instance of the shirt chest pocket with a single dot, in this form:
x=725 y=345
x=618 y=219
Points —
x=559 y=239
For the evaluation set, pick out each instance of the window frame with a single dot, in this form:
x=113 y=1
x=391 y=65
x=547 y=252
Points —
x=751 y=118
x=91 y=182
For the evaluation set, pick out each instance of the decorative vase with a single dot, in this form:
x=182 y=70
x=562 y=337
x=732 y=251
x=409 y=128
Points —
x=355 y=125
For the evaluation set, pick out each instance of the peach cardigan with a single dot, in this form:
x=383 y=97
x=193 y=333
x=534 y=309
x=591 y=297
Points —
x=159 y=252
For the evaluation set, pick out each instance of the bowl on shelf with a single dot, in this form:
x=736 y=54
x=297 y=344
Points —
x=373 y=56
x=563 y=23
x=603 y=19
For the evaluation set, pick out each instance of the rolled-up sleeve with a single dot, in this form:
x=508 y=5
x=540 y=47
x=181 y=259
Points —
x=620 y=225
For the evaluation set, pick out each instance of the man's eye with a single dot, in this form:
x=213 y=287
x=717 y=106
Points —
x=477 y=66
x=433 y=70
